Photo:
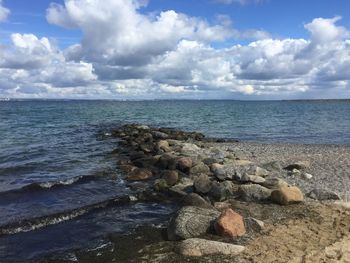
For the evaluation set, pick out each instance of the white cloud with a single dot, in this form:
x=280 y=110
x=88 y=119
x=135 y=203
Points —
x=125 y=53
x=4 y=12
x=242 y=2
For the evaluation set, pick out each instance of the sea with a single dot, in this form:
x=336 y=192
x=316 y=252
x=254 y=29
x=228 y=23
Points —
x=60 y=189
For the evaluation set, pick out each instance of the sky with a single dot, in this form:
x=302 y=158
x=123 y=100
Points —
x=175 y=49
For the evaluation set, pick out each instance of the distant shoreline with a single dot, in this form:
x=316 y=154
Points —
x=150 y=100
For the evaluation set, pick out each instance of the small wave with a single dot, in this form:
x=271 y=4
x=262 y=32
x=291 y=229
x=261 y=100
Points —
x=36 y=223
x=52 y=184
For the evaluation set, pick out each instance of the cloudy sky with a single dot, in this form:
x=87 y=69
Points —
x=193 y=49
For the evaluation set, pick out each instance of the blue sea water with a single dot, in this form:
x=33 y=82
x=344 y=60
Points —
x=56 y=168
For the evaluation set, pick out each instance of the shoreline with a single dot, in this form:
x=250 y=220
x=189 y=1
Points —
x=208 y=177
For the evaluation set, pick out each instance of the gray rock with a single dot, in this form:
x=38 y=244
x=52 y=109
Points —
x=190 y=222
x=221 y=191
x=301 y=165
x=219 y=171
x=160 y=185
x=253 y=224
x=160 y=135
x=202 y=184
x=189 y=149
x=170 y=176
x=254 y=192
x=209 y=161
x=196 y=247
x=194 y=199
x=322 y=194
x=200 y=168
x=142 y=127
x=167 y=161
x=261 y=172
x=307 y=176
x=163 y=145
x=253 y=179
x=274 y=183
x=272 y=166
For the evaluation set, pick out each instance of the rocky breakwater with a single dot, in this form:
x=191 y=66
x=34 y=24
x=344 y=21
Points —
x=206 y=182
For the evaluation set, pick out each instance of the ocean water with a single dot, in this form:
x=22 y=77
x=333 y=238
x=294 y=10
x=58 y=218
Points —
x=59 y=187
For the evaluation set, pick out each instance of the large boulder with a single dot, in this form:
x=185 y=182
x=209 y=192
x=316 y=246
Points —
x=196 y=247
x=191 y=221
x=202 y=184
x=254 y=192
x=287 y=195
x=323 y=194
x=230 y=224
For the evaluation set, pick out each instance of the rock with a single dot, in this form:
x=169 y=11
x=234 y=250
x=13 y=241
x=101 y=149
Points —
x=253 y=179
x=194 y=199
x=170 y=176
x=163 y=145
x=200 y=168
x=142 y=127
x=301 y=165
x=272 y=166
x=126 y=168
x=146 y=147
x=261 y=172
x=139 y=174
x=209 y=161
x=217 y=153
x=221 y=191
x=295 y=172
x=253 y=224
x=160 y=185
x=274 y=183
x=136 y=155
x=202 y=184
x=160 y=135
x=167 y=161
x=145 y=162
x=189 y=149
x=287 y=195
x=221 y=206
x=190 y=222
x=230 y=224
x=241 y=162
x=219 y=171
x=307 y=176
x=322 y=194
x=184 y=164
x=196 y=247
x=254 y=192
x=173 y=142
x=184 y=183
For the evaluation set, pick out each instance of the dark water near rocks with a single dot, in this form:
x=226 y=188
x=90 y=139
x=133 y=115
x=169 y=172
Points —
x=59 y=189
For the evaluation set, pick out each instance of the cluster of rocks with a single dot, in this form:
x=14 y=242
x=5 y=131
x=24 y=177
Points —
x=204 y=178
